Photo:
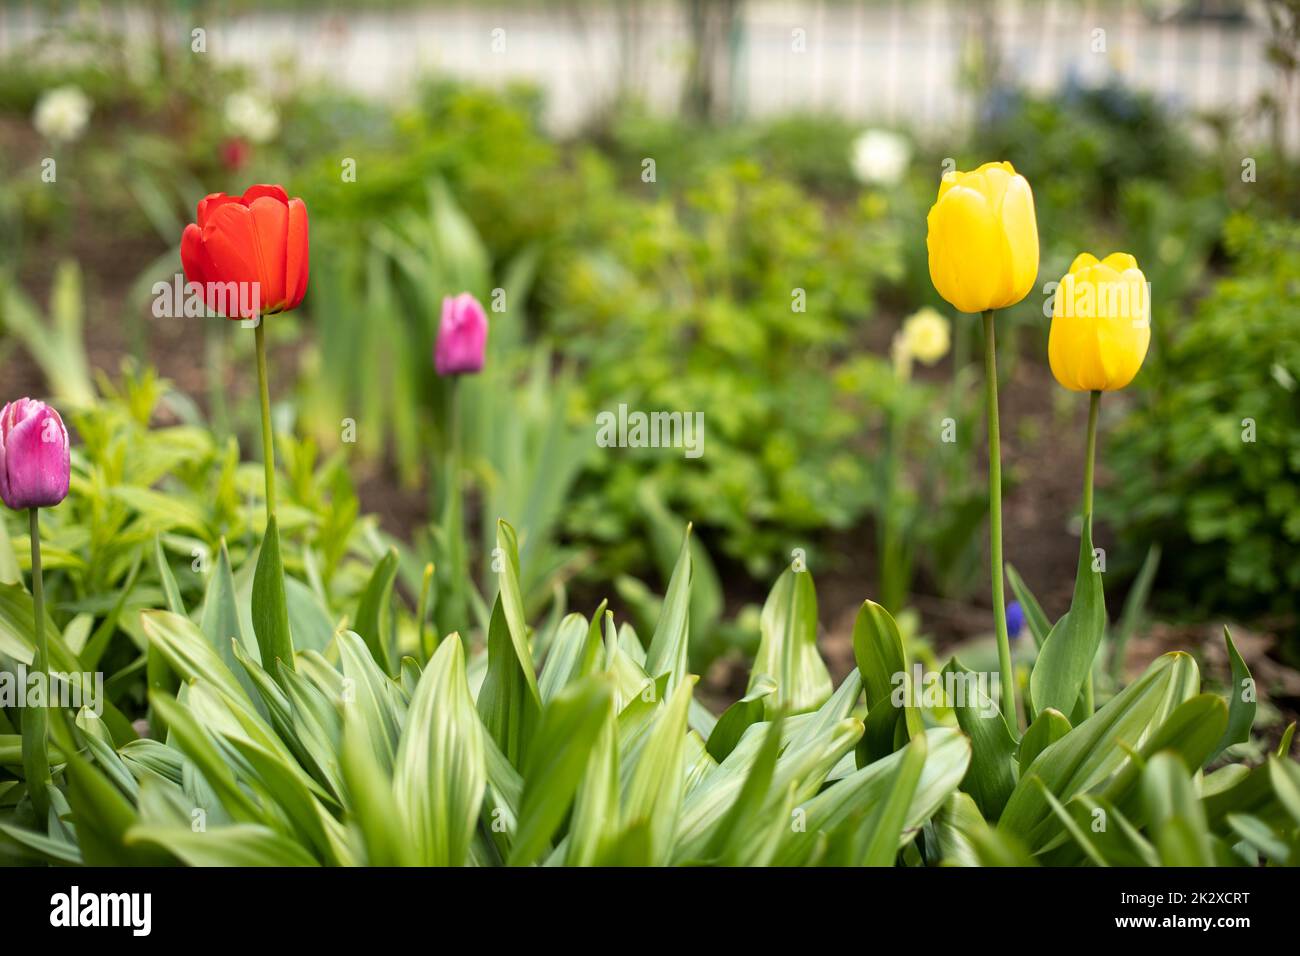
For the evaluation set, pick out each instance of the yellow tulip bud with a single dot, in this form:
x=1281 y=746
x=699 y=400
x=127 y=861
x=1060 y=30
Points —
x=1101 y=323
x=983 y=238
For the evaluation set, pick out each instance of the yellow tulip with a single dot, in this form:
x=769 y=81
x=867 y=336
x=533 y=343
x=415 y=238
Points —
x=983 y=238
x=1101 y=323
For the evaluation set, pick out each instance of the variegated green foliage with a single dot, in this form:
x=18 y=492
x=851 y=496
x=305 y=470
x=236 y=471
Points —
x=577 y=745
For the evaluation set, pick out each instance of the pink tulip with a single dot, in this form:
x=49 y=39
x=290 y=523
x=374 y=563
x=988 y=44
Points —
x=462 y=336
x=33 y=455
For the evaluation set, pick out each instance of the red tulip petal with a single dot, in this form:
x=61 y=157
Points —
x=253 y=193
x=295 y=283
x=271 y=224
x=230 y=240
x=210 y=202
x=194 y=260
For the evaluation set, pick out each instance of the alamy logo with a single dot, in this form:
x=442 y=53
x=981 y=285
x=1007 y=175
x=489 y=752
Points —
x=684 y=430
x=75 y=908
x=922 y=688
x=23 y=688
x=179 y=299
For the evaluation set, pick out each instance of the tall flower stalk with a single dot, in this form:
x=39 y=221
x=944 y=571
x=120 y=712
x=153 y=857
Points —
x=34 y=472
x=1094 y=403
x=460 y=349
x=1101 y=329
x=255 y=244
x=268 y=437
x=36 y=758
x=1005 y=675
x=982 y=240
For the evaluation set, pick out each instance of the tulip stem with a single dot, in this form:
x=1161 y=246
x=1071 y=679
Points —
x=36 y=758
x=1094 y=403
x=995 y=525
x=268 y=443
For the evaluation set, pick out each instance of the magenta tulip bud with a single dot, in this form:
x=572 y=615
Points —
x=33 y=455
x=462 y=336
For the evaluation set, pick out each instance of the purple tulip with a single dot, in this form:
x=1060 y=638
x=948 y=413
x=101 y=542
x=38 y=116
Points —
x=462 y=336
x=33 y=455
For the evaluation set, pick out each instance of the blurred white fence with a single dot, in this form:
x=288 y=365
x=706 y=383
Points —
x=875 y=60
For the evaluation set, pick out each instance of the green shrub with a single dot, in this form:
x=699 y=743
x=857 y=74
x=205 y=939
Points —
x=689 y=304
x=1208 y=464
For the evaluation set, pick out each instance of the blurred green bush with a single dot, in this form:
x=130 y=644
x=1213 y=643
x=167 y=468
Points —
x=1208 y=463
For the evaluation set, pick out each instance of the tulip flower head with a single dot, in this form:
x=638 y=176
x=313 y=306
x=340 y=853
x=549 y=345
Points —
x=982 y=238
x=34 y=463
x=462 y=336
x=1101 y=324
x=248 y=253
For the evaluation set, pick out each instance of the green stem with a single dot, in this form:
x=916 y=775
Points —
x=268 y=443
x=451 y=611
x=214 y=349
x=995 y=524
x=36 y=758
x=426 y=644
x=1094 y=402
x=891 y=591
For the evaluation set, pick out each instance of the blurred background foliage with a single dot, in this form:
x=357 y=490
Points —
x=757 y=273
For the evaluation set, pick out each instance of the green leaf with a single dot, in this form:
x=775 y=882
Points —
x=992 y=773
x=668 y=647
x=594 y=823
x=574 y=653
x=1176 y=815
x=1076 y=832
x=270 y=609
x=170 y=589
x=220 y=620
x=734 y=837
x=374 y=611
x=241 y=844
x=886 y=823
x=1258 y=834
x=1131 y=613
x=557 y=761
x=1091 y=752
x=948 y=755
x=373 y=694
x=878 y=651
x=189 y=653
x=655 y=791
x=787 y=651
x=508 y=701
x=102 y=813
x=738 y=718
x=1189 y=732
x=441 y=772
x=1241 y=701
x=1067 y=655
x=196 y=742
x=369 y=798
x=1048 y=727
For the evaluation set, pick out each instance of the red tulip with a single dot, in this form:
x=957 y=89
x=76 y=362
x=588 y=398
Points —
x=248 y=253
